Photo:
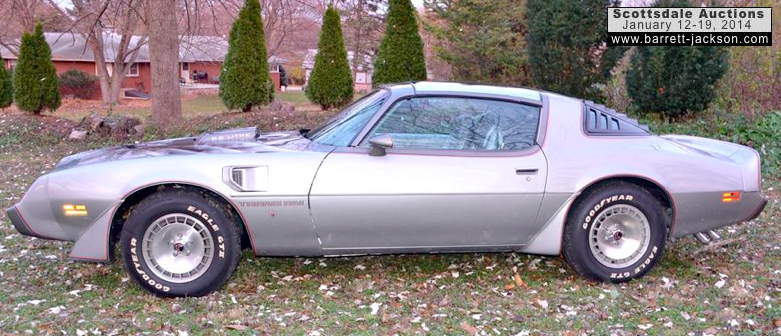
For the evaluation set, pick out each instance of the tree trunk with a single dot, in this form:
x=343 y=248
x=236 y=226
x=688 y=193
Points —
x=118 y=75
x=164 y=59
x=96 y=45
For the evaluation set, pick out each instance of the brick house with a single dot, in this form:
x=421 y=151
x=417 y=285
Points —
x=200 y=59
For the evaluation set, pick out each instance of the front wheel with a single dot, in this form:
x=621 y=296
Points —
x=615 y=233
x=179 y=242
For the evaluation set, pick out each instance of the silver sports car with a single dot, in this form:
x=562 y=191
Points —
x=409 y=168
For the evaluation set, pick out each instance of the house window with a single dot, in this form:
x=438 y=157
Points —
x=133 y=71
x=185 y=66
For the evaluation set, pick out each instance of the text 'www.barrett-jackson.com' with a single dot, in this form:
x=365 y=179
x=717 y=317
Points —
x=665 y=26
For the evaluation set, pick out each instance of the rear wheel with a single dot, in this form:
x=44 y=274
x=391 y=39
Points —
x=179 y=242
x=615 y=233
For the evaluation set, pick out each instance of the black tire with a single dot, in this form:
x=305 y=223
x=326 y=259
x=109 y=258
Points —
x=221 y=226
x=582 y=222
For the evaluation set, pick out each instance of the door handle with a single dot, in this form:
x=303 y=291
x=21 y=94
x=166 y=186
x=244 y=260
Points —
x=526 y=171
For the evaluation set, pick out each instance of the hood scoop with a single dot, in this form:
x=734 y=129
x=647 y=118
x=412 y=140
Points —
x=228 y=136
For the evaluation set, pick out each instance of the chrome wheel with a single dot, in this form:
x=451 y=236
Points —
x=619 y=236
x=177 y=248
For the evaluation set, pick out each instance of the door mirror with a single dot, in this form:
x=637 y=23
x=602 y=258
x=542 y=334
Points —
x=379 y=144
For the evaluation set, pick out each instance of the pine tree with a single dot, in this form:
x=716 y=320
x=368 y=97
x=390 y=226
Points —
x=244 y=81
x=482 y=40
x=400 y=57
x=562 y=40
x=675 y=80
x=35 y=78
x=331 y=83
x=6 y=88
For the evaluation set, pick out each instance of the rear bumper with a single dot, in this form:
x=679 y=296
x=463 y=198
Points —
x=20 y=224
x=698 y=212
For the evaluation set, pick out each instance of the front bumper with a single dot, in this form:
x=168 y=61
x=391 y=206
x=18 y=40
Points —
x=20 y=224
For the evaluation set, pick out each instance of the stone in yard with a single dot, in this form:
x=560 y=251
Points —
x=281 y=106
x=115 y=126
x=138 y=130
x=77 y=134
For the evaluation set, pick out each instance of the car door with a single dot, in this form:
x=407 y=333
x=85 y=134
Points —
x=464 y=173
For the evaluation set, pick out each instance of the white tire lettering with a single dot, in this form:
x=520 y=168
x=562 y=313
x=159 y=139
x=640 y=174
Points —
x=602 y=204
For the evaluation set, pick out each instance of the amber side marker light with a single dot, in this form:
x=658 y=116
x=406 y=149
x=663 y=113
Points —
x=74 y=210
x=729 y=197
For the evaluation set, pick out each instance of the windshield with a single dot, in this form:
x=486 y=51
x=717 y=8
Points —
x=341 y=129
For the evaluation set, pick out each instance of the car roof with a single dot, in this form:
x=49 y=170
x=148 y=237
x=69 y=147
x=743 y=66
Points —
x=453 y=87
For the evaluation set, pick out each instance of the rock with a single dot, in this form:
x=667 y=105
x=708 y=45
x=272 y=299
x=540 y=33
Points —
x=77 y=134
x=138 y=130
x=115 y=126
x=282 y=106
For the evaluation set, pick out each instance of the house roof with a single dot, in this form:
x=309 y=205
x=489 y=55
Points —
x=309 y=60
x=71 y=47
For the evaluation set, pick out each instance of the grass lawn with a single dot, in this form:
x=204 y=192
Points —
x=192 y=106
x=732 y=289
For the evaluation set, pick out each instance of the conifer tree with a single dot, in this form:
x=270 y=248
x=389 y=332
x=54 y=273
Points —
x=563 y=40
x=6 y=88
x=400 y=57
x=35 y=78
x=331 y=83
x=244 y=79
x=677 y=80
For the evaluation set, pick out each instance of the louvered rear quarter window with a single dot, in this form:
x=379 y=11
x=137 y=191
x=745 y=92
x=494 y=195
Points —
x=600 y=120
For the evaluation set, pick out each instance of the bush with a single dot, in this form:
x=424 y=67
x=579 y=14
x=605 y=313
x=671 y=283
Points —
x=331 y=81
x=400 y=57
x=675 y=80
x=6 y=88
x=244 y=80
x=35 y=78
x=78 y=83
x=566 y=46
x=752 y=84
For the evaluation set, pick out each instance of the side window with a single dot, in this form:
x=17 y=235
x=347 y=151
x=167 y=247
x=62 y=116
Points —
x=459 y=123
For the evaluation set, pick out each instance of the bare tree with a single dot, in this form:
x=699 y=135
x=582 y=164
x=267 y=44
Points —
x=108 y=27
x=364 y=24
x=21 y=16
x=164 y=58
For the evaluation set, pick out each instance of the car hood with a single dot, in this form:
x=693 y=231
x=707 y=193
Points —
x=239 y=140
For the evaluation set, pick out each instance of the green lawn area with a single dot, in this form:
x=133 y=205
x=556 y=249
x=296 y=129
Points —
x=193 y=106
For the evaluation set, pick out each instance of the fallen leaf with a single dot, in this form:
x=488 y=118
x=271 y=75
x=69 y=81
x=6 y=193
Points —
x=237 y=327
x=518 y=281
x=468 y=328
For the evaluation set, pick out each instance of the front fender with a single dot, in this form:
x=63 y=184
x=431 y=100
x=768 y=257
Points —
x=102 y=188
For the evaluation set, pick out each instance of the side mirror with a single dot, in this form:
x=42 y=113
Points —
x=379 y=144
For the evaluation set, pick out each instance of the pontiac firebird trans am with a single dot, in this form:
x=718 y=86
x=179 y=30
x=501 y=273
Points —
x=409 y=168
